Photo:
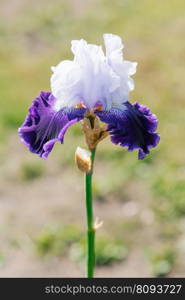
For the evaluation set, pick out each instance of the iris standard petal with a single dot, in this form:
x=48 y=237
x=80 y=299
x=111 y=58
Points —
x=132 y=126
x=92 y=76
x=43 y=126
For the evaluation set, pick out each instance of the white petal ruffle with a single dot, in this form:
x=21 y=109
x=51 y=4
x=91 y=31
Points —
x=93 y=77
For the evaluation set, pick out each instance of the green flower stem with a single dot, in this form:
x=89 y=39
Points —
x=90 y=221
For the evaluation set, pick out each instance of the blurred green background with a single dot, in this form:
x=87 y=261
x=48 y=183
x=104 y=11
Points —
x=142 y=203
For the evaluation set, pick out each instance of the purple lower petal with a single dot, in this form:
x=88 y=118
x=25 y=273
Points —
x=43 y=126
x=132 y=126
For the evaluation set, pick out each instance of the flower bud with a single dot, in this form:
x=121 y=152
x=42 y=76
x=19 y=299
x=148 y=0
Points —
x=83 y=160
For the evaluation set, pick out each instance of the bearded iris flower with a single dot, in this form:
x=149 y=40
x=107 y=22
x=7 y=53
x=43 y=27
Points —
x=92 y=84
x=92 y=87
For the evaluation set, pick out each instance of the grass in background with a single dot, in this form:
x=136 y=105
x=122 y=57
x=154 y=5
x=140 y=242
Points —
x=108 y=250
x=161 y=261
x=30 y=171
x=56 y=240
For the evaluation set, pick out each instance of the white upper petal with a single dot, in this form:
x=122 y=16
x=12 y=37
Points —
x=113 y=46
x=93 y=77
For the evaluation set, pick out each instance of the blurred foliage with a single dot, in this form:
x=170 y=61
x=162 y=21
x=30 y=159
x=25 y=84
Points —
x=161 y=260
x=170 y=195
x=56 y=240
x=31 y=170
x=108 y=250
x=170 y=230
x=129 y=227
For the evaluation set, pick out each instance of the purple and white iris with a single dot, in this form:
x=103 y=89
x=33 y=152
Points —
x=93 y=83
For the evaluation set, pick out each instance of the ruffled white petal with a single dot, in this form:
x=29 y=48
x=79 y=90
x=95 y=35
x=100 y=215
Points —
x=113 y=46
x=92 y=77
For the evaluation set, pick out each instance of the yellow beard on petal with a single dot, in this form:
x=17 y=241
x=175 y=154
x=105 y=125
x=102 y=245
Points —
x=80 y=105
